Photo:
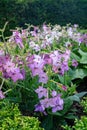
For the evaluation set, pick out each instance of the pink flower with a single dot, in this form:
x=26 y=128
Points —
x=17 y=37
x=44 y=27
x=9 y=66
x=47 y=59
x=43 y=78
x=42 y=92
x=54 y=93
x=58 y=104
x=74 y=63
x=1 y=52
x=16 y=75
x=1 y=95
x=64 y=88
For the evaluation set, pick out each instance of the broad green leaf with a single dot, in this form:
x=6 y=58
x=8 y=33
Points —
x=83 y=59
x=74 y=56
x=70 y=116
x=74 y=98
x=79 y=73
x=82 y=53
x=81 y=94
x=77 y=96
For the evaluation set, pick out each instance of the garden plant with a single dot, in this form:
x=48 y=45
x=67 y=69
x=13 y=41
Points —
x=41 y=69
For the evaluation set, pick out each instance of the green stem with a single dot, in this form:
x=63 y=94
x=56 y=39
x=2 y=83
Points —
x=5 y=45
x=2 y=84
x=7 y=91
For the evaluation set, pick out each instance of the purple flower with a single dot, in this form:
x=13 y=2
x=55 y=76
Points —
x=4 y=59
x=54 y=93
x=9 y=66
x=39 y=107
x=23 y=73
x=16 y=75
x=57 y=103
x=34 y=33
x=43 y=78
x=1 y=52
x=66 y=55
x=83 y=39
x=45 y=102
x=36 y=65
x=44 y=27
x=47 y=59
x=17 y=37
x=42 y=92
x=64 y=67
x=74 y=63
x=1 y=95
x=57 y=108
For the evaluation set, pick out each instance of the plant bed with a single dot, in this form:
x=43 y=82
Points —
x=44 y=69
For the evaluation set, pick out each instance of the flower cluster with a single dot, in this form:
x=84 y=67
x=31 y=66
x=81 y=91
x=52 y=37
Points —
x=39 y=39
x=36 y=65
x=55 y=102
x=58 y=61
x=83 y=39
x=9 y=68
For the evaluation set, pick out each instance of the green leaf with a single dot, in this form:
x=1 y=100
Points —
x=77 y=96
x=74 y=98
x=70 y=116
x=74 y=56
x=82 y=53
x=61 y=78
x=83 y=59
x=81 y=94
x=79 y=73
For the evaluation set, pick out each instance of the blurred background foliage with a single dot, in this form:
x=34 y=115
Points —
x=36 y=12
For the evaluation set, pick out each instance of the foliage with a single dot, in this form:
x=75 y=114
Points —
x=84 y=104
x=79 y=124
x=37 y=12
x=39 y=67
x=11 y=118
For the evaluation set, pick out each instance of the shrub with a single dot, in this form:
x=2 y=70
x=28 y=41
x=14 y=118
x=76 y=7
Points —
x=79 y=124
x=11 y=118
x=84 y=104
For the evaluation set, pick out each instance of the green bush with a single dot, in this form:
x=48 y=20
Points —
x=79 y=124
x=84 y=104
x=11 y=118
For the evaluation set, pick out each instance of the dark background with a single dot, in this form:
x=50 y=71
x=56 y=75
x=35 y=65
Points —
x=36 y=12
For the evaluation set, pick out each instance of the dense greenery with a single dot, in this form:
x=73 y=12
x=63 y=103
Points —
x=11 y=118
x=19 y=12
x=84 y=104
x=81 y=123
